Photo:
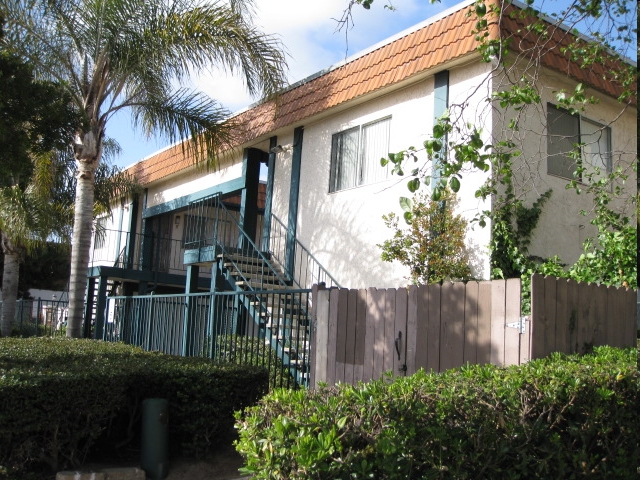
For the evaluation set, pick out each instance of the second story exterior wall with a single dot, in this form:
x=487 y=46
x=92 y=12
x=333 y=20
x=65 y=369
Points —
x=562 y=228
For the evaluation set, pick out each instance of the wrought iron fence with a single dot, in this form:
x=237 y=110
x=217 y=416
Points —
x=295 y=259
x=263 y=328
x=118 y=248
x=38 y=317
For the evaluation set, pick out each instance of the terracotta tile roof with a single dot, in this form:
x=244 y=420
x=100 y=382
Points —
x=435 y=43
x=420 y=50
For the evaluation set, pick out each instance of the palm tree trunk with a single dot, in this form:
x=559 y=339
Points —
x=81 y=243
x=10 y=278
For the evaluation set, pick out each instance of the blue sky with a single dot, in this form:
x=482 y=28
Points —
x=308 y=31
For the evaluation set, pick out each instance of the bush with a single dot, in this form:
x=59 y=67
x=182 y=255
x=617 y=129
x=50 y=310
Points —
x=58 y=397
x=559 y=417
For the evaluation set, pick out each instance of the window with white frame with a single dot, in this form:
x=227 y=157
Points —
x=564 y=132
x=356 y=154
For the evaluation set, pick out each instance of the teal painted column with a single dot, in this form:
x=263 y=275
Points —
x=193 y=271
x=101 y=305
x=133 y=230
x=294 y=194
x=440 y=106
x=88 y=307
x=249 y=197
x=266 y=221
x=146 y=246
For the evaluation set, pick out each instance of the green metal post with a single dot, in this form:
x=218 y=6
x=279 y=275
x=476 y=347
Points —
x=155 y=438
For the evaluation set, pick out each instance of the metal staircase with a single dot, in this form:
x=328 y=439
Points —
x=277 y=310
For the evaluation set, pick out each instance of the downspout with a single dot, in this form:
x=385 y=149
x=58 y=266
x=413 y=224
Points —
x=440 y=107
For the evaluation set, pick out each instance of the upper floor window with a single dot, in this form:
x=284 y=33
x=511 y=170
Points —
x=565 y=131
x=356 y=153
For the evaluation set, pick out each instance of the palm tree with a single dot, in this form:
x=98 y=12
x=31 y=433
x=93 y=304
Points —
x=130 y=54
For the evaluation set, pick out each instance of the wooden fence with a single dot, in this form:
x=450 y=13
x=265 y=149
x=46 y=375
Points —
x=361 y=334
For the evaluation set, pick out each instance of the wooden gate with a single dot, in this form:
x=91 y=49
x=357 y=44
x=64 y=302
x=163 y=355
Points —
x=362 y=334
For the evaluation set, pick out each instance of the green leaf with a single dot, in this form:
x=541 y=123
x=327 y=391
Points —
x=406 y=204
x=413 y=185
x=384 y=161
x=455 y=184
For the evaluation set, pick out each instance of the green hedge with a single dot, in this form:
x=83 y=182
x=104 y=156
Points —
x=560 y=417
x=58 y=397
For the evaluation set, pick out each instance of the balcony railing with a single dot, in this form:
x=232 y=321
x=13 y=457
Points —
x=118 y=248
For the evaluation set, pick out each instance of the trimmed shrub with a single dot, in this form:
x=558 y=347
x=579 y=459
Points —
x=58 y=397
x=560 y=417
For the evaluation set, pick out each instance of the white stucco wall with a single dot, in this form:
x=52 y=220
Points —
x=562 y=229
x=342 y=229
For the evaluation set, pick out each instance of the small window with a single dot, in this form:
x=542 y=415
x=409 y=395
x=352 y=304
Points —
x=565 y=131
x=356 y=153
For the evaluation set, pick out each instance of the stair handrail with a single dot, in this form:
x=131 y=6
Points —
x=298 y=244
x=244 y=238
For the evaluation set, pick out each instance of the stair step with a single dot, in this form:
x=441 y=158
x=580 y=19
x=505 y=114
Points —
x=269 y=286
x=253 y=268
x=243 y=259
x=267 y=279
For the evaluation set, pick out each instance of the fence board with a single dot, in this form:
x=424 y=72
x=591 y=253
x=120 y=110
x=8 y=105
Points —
x=412 y=330
x=398 y=352
x=422 y=322
x=562 y=318
x=573 y=307
x=628 y=327
x=538 y=318
x=433 y=328
x=614 y=311
x=352 y=320
x=389 y=326
x=341 y=337
x=471 y=323
x=361 y=331
x=484 y=323
x=369 y=336
x=333 y=335
x=512 y=336
x=498 y=292
x=452 y=325
x=600 y=334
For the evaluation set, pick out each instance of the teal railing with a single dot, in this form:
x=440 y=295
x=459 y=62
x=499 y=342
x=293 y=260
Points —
x=221 y=326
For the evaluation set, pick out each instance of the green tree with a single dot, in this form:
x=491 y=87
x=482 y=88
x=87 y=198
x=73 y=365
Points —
x=36 y=117
x=432 y=244
x=130 y=54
